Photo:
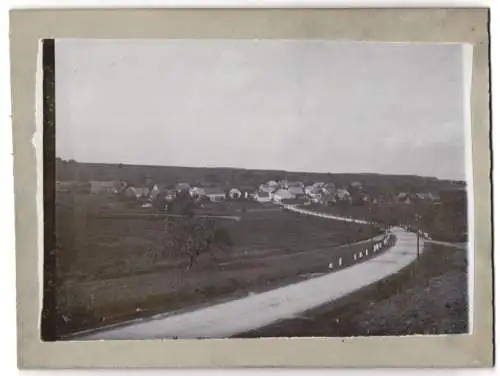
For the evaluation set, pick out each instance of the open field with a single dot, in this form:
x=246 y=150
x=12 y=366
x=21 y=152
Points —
x=112 y=269
x=428 y=297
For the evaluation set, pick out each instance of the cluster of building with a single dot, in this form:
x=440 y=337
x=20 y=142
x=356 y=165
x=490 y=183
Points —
x=283 y=191
x=317 y=192
x=271 y=191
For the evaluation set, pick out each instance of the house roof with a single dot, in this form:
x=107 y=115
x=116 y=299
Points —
x=199 y=190
x=183 y=185
x=342 y=193
x=266 y=188
x=284 y=193
x=296 y=190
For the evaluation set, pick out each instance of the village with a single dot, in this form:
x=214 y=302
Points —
x=159 y=195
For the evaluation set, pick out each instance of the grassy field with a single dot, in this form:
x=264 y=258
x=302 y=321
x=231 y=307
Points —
x=441 y=222
x=428 y=297
x=115 y=269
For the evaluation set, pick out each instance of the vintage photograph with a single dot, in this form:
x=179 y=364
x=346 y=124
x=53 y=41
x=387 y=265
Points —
x=254 y=188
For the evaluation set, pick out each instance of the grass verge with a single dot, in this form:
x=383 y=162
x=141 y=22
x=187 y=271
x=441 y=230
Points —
x=427 y=297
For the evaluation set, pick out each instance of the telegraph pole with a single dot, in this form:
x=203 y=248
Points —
x=417 y=218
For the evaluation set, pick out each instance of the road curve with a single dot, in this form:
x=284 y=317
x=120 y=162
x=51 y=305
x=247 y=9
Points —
x=259 y=310
x=296 y=209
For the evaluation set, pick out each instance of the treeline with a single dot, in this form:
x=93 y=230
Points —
x=445 y=221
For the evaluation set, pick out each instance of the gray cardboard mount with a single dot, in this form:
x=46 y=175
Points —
x=393 y=25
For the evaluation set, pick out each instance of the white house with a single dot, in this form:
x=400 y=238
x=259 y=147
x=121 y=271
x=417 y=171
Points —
x=309 y=190
x=403 y=198
x=183 y=187
x=215 y=194
x=263 y=197
x=314 y=190
x=251 y=195
x=155 y=191
x=343 y=195
x=328 y=188
x=197 y=192
x=234 y=193
x=282 y=194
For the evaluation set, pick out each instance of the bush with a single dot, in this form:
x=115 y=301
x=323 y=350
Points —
x=183 y=204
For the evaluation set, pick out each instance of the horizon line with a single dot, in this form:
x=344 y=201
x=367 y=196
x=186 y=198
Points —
x=262 y=170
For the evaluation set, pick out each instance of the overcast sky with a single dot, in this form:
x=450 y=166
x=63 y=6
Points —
x=295 y=105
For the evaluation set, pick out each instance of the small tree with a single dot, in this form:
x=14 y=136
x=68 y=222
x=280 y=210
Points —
x=191 y=237
x=183 y=204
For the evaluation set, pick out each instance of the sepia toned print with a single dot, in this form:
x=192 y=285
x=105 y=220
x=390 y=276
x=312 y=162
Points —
x=256 y=199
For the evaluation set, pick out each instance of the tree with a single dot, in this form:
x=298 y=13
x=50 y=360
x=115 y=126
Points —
x=191 y=237
x=159 y=202
x=183 y=204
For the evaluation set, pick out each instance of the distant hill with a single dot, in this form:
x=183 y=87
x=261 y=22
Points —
x=170 y=175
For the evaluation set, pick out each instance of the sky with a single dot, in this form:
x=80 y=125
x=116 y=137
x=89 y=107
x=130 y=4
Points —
x=316 y=106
